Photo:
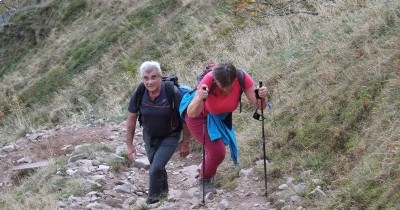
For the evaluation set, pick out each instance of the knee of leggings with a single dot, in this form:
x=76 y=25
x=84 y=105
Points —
x=218 y=156
x=221 y=155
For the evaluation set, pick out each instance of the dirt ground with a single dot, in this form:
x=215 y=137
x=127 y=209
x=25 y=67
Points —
x=62 y=141
x=56 y=143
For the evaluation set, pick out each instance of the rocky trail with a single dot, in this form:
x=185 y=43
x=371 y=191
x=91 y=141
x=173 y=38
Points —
x=125 y=188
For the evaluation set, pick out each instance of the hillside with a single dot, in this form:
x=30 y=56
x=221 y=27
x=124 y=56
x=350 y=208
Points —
x=332 y=68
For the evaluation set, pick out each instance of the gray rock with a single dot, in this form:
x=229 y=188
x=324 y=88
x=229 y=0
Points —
x=84 y=171
x=61 y=205
x=116 y=203
x=90 y=185
x=246 y=172
x=81 y=148
x=209 y=196
x=290 y=180
x=98 y=206
x=125 y=188
x=103 y=168
x=24 y=160
x=97 y=177
x=296 y=200
x=223 y=204
x=93 y=195
x=65 y=147
x=9 y=148
x=26 y=166
x=283 y=187
x=142 y=162
x=96 y=162
x=261 y=162
x=129 y=202
x=71 y=171
x=33 y=137
x=78 y=157
x=287 y=207
x=318 y=193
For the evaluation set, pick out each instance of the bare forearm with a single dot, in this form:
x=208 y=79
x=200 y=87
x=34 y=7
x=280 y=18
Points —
x=130 y=139
x=131 y=127
x=195 y=107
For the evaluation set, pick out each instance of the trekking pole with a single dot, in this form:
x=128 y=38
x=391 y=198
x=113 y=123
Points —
x=204 y=144
x=263 y=138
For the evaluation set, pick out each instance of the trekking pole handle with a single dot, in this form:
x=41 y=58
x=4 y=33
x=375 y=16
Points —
x=260 y=84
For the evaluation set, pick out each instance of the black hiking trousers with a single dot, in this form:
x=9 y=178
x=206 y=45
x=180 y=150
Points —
x=159 y=151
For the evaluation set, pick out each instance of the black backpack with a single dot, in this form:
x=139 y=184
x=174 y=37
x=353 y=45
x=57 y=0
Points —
x=170 y=83
x=239 y=75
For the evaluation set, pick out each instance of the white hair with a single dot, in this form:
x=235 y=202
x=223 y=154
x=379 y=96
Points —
x=148 y=66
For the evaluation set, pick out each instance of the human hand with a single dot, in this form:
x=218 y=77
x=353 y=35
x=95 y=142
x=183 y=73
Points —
x=132 y=153
x=203 y=92
x=262 y=92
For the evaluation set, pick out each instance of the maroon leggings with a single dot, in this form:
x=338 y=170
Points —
x=215 y=150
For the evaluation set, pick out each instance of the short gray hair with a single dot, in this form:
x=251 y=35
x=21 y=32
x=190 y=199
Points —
x=148 y=66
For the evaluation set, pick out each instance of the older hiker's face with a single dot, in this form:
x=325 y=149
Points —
x=152 y=80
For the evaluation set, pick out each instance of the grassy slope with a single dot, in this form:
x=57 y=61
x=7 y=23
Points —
x=333 y=79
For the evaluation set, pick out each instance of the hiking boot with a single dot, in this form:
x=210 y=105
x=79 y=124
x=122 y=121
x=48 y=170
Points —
x=151 y=200
x=208 y=186
x=164 y=195
x=154 y=199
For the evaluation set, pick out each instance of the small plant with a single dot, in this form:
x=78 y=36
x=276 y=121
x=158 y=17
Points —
x=73 y=9
x=149 y=14
x=143 y=207
x=128 y=65
x=229 y=180
x=117 y=164
x=72 y=187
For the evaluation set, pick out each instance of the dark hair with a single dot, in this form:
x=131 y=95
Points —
x=224 y=74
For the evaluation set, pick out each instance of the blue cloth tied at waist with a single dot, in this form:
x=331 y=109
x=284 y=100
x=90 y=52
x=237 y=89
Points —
x=215 y=126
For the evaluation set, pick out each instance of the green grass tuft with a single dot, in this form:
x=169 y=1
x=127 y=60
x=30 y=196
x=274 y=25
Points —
x=73 y=9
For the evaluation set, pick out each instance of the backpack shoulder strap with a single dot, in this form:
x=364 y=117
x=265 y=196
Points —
x=173 y=103
x=170 y=92
x=138 y=99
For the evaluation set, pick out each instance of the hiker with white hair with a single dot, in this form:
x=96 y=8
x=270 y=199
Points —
x=151 y=104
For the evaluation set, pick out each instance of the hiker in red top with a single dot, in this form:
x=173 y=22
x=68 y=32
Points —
x=214 y=106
